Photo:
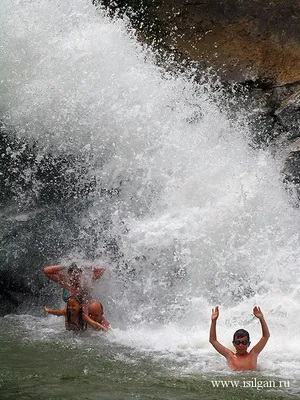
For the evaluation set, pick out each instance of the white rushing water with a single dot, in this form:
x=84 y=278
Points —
x=202 y=219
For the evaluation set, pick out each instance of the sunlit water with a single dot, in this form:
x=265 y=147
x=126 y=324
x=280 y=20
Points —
x=201 y=218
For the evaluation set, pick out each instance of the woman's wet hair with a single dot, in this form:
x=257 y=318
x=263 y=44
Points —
x=76 y=297
x=241 y=333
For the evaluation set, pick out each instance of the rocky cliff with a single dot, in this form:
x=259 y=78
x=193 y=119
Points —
x=255 y=44
x=242 y=39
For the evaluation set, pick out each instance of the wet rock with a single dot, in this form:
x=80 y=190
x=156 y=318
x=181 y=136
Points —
x=42 y=199
x=31 y=178
x=288 y=115
x=291 y=170
x=249 y=42
x=254 y=44
x=242 y=39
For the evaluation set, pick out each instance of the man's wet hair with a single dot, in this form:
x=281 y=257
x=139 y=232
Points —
x=241 y=333
x=74 y=268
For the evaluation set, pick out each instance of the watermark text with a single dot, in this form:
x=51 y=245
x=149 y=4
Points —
x=252 y=383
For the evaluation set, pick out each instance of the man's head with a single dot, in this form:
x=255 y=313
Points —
x=74 y=272
x=74 y=268
x=241 y=341
x=95 y=311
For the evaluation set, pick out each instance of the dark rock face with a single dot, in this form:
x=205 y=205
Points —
x=241 y=39
x=30 y=180
x=252 y=43
x=41 y=199
x=292 y=168
x=288 y=115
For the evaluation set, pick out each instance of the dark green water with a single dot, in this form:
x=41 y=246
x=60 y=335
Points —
x=70 y=366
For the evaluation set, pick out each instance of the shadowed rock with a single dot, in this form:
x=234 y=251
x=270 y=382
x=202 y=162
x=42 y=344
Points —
x=241 y=39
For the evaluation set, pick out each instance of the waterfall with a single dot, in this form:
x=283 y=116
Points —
x=184 y=212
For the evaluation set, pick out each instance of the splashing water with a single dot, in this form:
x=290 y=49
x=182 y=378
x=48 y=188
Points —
x=199 y=218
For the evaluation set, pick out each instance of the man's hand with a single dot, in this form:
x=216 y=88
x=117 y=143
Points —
x=215 y=314
x=257 y=312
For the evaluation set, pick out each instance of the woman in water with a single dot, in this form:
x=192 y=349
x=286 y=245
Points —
x=75 y=318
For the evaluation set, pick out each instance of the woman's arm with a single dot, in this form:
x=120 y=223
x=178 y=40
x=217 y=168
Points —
x=59 y=313
x=93 y=323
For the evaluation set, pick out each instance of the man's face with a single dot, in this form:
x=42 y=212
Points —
x=75 y=277
x=95 y=312
x=241 y=345
x=96 y=316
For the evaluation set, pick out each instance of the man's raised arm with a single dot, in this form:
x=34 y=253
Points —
x=55 y=273
x=265 y=331
x=213 y=334
x=97 y=272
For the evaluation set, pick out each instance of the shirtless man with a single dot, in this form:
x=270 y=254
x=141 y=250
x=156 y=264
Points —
x=242 y=360
x=95 y=312
x=73 y=280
